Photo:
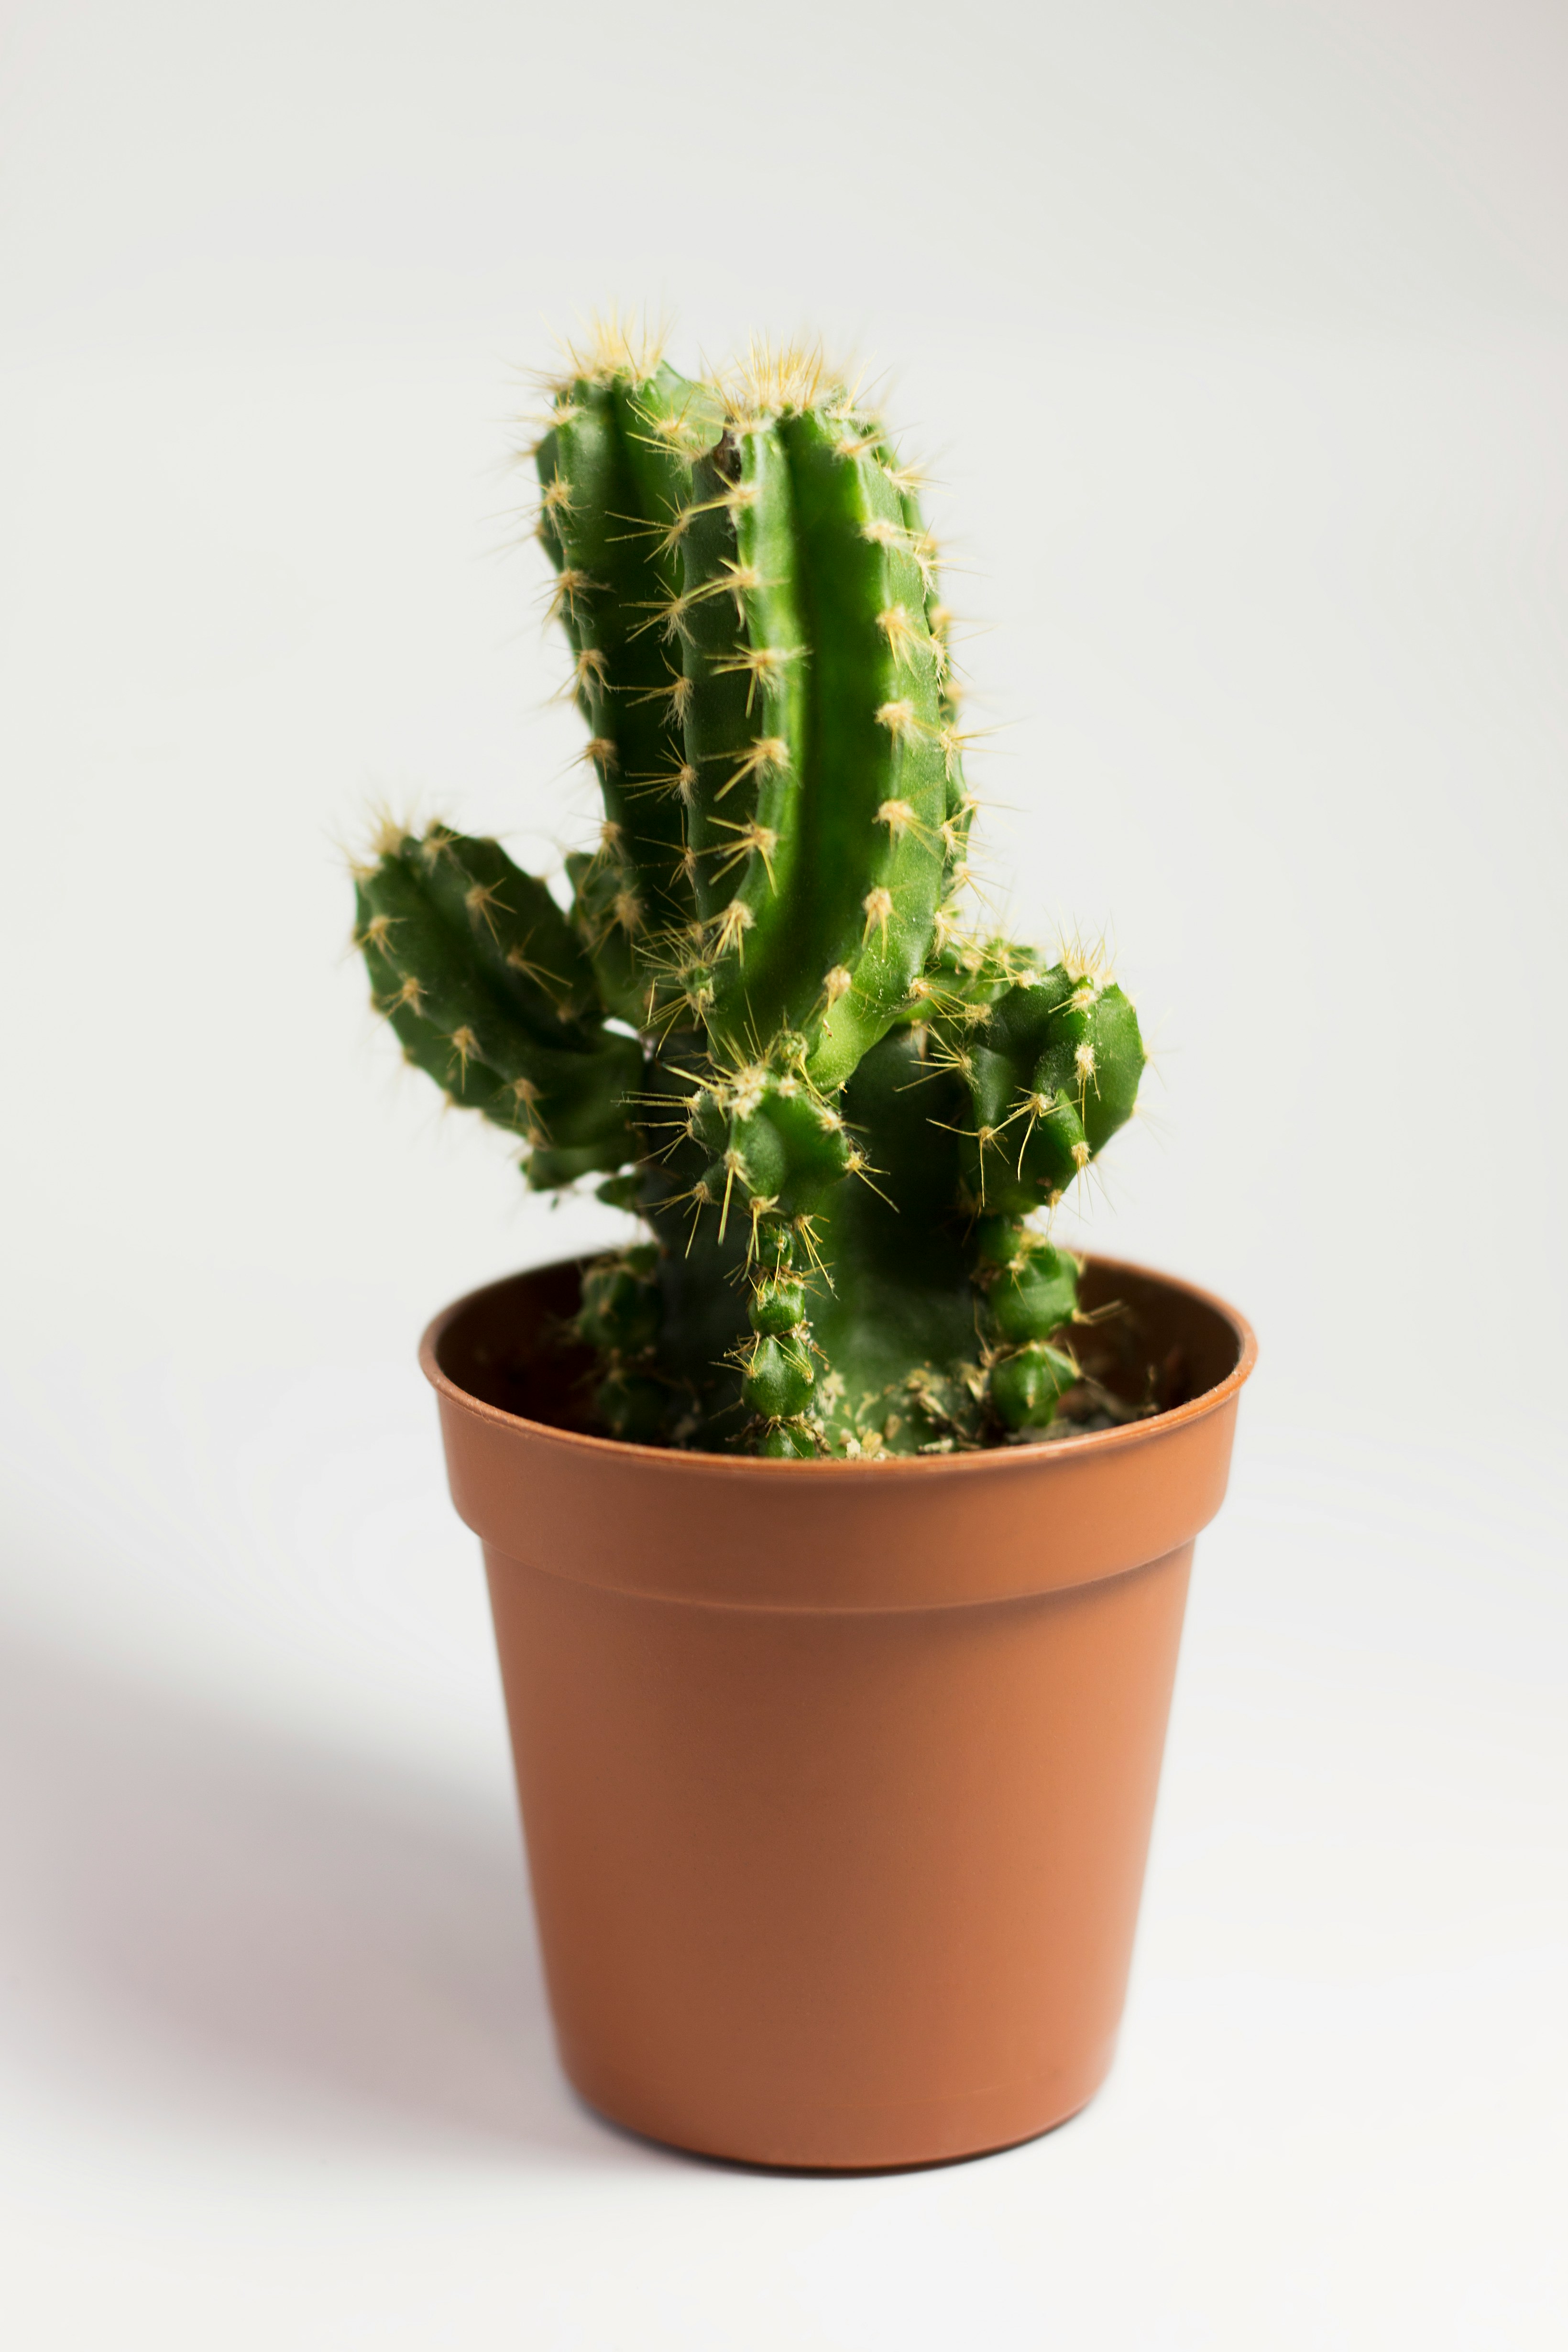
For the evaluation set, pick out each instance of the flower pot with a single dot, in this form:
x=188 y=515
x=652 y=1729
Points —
x=836 y=1778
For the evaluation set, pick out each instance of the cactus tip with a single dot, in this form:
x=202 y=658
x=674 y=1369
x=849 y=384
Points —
x=613 y=342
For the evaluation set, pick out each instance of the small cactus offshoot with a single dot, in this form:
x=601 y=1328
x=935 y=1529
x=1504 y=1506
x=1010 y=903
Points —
x=764 y=1021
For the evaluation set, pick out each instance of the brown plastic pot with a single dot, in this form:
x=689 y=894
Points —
x=836 y=1778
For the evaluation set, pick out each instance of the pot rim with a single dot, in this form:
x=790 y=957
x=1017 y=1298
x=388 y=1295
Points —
x=682 y=1461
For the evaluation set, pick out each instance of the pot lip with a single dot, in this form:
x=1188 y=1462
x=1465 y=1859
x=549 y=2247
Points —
x=680 y=1461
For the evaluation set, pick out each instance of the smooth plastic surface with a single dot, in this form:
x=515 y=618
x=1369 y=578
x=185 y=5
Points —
x=836 y=1778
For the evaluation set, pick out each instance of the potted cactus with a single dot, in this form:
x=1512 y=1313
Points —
x=837 y=1531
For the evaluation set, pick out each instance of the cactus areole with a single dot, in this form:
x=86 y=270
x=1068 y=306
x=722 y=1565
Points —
x=765 y=1023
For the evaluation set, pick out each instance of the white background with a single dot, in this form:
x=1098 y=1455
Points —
x=1237 y=334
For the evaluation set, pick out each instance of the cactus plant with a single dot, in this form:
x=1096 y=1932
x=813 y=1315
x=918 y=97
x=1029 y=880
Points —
x=763 y=1023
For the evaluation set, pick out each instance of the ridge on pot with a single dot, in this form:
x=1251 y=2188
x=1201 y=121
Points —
x=836 y=1799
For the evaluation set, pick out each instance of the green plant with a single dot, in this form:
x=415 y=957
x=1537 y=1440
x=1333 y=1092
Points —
x=763 y=1022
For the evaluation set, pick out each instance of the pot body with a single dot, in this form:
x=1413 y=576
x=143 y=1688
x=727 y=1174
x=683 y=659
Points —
x=837 y=1779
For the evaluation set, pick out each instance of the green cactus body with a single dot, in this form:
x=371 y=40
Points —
x=833 y=1105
